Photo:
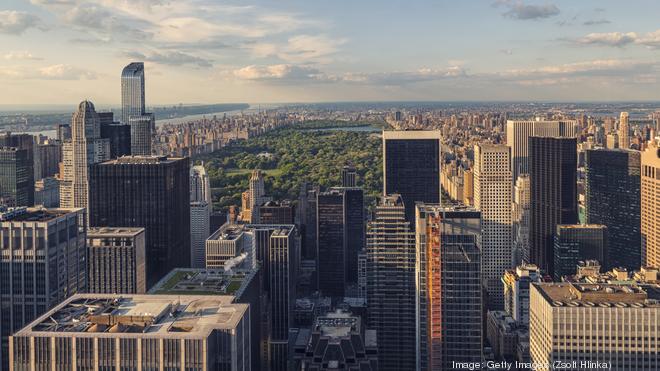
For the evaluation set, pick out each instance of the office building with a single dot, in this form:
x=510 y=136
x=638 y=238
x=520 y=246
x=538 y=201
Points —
x=307 y=219
x=650 y=206
x=612 y=198
x=20 y=141
x=42 y=262
x=47 y=158
x=132 y=91
x=516 y=291
x=520 y=219
x=411 y=167
x=16 y=178
x=257 y=192
x=492 y=196
x=580 y=242
x=47 y=192
x=141 y=133
x=119 y=136
x=595 y=326
x=391 y=291
x=612 y=141
x=116 y=261
x=336 y=340
x=348 y=176
x=518 y=133
x=624 y=131
x=331 y=267
x=553 y=184
x=152 y=193
x=273 y=212
x=86 y=147
x=63 y=132
x=449 y=286
x=228 y=242
x=167 y=332
x=354 y=230
x=200 y=215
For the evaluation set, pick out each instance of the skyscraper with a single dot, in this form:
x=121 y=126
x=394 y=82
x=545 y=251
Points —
x=86 y=147
x=331 y=267
x=624 y=131
x=117 y=133
x=16 y=177
x=650 y=206
x=612 y=198
x=273 y=212
x=518 y=133
x=449 y=286
x=411 y=167
x=132 y=91
x=42 y=262
x=553 y=184
x=257 y=194
x=116 y=261
x=575 y=243
x=133 y=109
x=516 y=291
x=354 y=230
x=348 y=176
x=391 y=292
x=150 y=192
x=520 y=219
x=492 y=196
x=200 y=214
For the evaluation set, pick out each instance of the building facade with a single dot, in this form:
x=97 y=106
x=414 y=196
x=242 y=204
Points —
x=516 y=291
x=116 y=261
x=200 y=215
x=520 y=219
x=624 y=131
x=16 y=178
x=580 y=242
x=331 y=267
x=132 y=91
x=650 y=206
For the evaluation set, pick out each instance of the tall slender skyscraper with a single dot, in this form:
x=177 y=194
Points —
x=348 y=176
x=132 y=91
x=150 y=192
x=520 y=219
x=612 y=198
x=391 y=288
x=624 y=131
x=133 y=109
x=16 y=177
x=553 y=184
x=449 y=286
x=650 y=206
x=518 y=133
x=257 y=194
x=492 y=196
x=86 y=147
x=200 y=215
x=331 y=267
x=411 y=167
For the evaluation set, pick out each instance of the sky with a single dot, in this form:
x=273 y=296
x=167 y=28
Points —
x=215 y=51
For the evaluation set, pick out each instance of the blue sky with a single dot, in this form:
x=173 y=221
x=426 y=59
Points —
x=210 y=51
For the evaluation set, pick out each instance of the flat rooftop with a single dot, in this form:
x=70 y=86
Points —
x=22 y=214
x=186 y=281
x=337 y=324
x=570 y=294
x=113 y=232
x=151 y=316
x=228 y=232
x=138 y=160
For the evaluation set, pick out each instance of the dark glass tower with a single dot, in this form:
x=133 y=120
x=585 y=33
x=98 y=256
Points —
x=331 y=269
x=575 y=243
x=411 y=167
x=149 y=192
x=612 y=197
x=118 y=134
x=553 y=184
x=355 y=233
x=16 y=177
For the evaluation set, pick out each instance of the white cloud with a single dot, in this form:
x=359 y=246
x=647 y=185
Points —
x=278 y=72
x=172 y=58
x=618 y=39
x=65 y=72
x=300 y=49
x=521 y=11
x=15 y=23
x=21 y=55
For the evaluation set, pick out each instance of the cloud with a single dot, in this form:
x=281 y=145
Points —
x=618 y=39
x=595 y=22
x=21 y=55
x=299 y=49
x=15 y=23
x=65 y=72
x=171 y=58
x=521 y=11
x=279 y=72
x=101 y=20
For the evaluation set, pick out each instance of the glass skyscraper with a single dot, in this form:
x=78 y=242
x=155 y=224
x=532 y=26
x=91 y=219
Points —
x=133 y=108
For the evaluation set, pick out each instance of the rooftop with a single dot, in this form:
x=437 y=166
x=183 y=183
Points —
x=24 y=214
x=106 y=315
x=141 y=160
x=228 y=232
x=337 y=324
x=113 y=231
x=567 y=294
x=182 y=281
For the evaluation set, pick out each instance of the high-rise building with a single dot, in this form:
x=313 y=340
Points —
x=612 y=198
x=520 y=219
x=200 y=214
x=411 y=167
x=256 y=195
x=492 y=196
x=132 y=91
x=624 y=131
x=63 y=132
x=117 y=133
x=273 y=212
x=449 y=286
x=612 y=141
x=16 y=177
x=575 y=243
x=516 y=291
x=650 y=206
x=141 y=133
x=306 y=216
x=553 y=184
x=518 y=133
x=86 y=147
x=331 y=267
x=47 y=192
x=150 y=192
x=391 y=291
x=354 y=230
x=595 y=326
x=116 y=261
x=348 y=176
x=42 y=262
x=47 y=158
x=168 y=332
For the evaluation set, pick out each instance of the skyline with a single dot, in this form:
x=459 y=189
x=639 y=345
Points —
x=199 y=51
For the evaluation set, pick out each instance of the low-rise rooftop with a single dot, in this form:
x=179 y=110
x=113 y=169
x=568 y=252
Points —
x=29 y=214
x=185 y=281
x=113 y=231
x=570 y=294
